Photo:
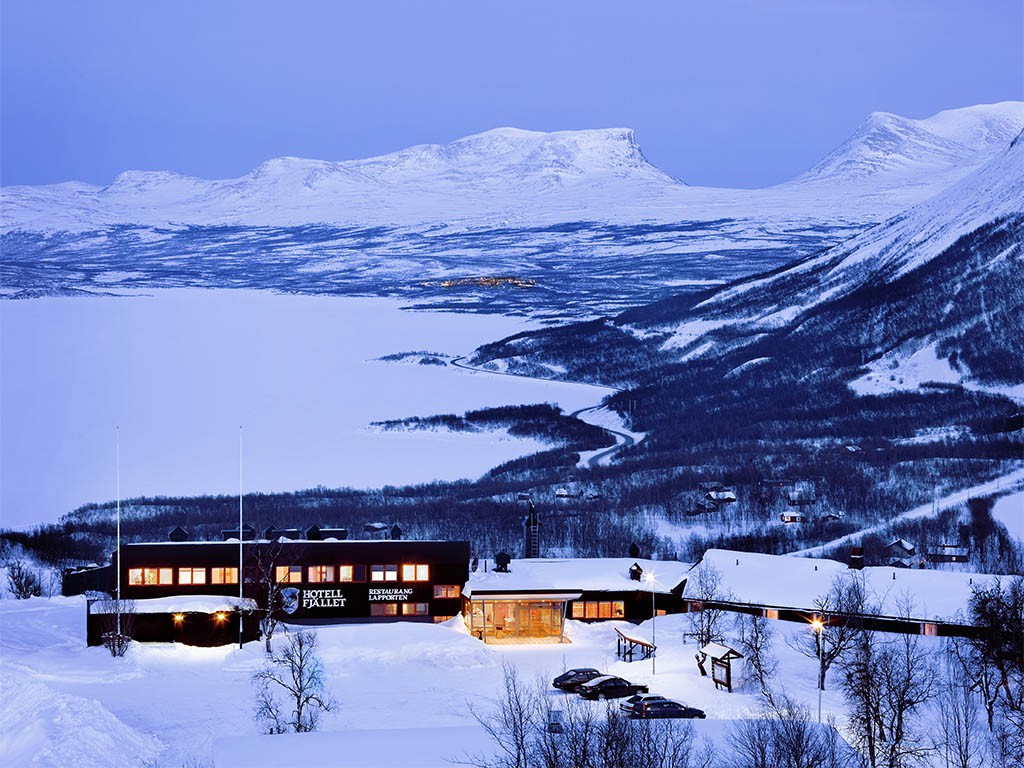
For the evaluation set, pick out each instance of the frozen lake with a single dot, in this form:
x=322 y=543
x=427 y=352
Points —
x=180 y=370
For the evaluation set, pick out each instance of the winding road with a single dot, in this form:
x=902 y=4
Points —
x=623 y=440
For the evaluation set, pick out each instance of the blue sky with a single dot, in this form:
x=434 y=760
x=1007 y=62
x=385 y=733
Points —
x=725 y=93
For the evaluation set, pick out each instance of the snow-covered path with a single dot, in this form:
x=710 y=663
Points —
x=957 y=497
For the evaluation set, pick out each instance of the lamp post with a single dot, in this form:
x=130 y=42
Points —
x=819 y=627
x=649 y=578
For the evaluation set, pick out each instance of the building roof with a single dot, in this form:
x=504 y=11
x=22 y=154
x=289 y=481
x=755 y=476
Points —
x=783 y=581
x=598 y=574
x=177 y=604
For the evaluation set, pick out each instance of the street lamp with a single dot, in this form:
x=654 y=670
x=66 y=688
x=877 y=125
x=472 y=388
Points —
x=819 y=628
x=649 y=578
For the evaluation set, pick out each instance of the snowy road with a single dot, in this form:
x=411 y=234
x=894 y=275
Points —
x=925 y=510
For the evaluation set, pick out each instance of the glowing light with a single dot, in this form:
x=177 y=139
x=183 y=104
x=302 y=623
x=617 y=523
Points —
x=220 y=616
x=649 y=577
x=179 y=617
x=817 y=624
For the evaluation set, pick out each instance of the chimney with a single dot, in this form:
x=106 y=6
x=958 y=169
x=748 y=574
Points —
x=856 y=558
x=532 y=527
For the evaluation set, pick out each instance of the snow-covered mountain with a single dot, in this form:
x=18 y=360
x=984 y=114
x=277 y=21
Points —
x=932 y=295
x=531 y=178
x=897 y=150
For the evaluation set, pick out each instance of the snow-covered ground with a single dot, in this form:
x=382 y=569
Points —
x=1009 y=510
x=180 y=370
x=405 y=692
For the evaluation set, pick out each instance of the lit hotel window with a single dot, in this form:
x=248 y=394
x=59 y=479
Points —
x=355 y=573
x=415 y=609
x=288 y=574
x=383 y=573
x=223 y=575
x=321 y=573
x=383 y=609
x=442 y=591
x=415 y=573
x=598 y=609
x=191 y=575
x=148 y=577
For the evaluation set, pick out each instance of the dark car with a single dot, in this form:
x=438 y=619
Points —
x=633 y=702
x=609 y=687
x=652 y=710
x=568 y=681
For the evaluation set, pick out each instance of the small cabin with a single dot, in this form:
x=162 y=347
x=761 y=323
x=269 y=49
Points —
x=721 y=496
x=948 y=553
x=793 y=516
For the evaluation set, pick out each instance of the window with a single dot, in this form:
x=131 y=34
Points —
x=383 y=573
x=320 y=573
x=415 y=609
x=603 y=609
x=445 y=591
x=149 y=577
x=415 y=573
x=224 y=576
x=288 y=574
x=383 y=609
x=191 y=575
x=442 y=619
x=356 y=573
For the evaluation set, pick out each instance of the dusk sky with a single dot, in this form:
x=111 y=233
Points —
x=725 y=93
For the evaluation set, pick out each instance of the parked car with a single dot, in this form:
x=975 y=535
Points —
x=609 y=687
x=633 y=702
x=662 y=709
x=568 y=681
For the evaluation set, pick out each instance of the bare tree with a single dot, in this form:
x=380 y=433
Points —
x=706 y=621
x=993 y=659
x=784 y=735
x=528 y=734
x=840 y=611
x=887 y=682
x=268 y=558
x=961 y=738
x=755 y=636
x=23 y=582
x=290 y=688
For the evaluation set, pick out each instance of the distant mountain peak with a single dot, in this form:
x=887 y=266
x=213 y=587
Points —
x=891 y=145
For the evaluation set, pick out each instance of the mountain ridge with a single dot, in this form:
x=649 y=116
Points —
x=529 y=176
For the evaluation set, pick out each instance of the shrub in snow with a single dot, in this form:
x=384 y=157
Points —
x=23 y=582
x=290 y=688
x=118 y=625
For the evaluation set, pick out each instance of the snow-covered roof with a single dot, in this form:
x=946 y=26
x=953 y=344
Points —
x=784 y=581
x=178 y=604
x=719 y=651
x=598 y=574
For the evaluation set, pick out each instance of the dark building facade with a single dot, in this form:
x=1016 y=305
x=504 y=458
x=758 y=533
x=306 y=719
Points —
x=310 y=581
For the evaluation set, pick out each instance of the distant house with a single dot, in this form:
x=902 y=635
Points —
x=793 y=516
x=376 y=531
x=710 y=486
x=948 y=553
x=703 y=506
x=721 y=496
x=899 y=553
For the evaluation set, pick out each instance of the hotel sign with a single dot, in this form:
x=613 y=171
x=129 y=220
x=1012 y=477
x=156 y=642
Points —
x=323 y=598
x=389 y=594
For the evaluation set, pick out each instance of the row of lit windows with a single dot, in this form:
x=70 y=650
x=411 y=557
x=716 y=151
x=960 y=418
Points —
x=153 y=577
x=594 y=609
x=321 y=574
x=392 y=609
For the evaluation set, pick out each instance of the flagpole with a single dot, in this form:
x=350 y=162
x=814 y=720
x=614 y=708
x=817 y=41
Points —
x=117 y=483
x=241 y=537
